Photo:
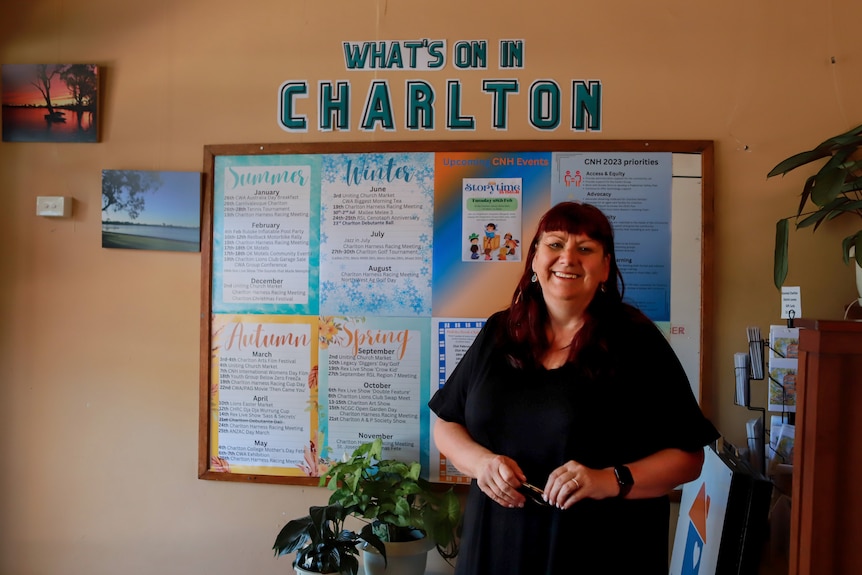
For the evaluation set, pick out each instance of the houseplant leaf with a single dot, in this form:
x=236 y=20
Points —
x=854 y=241
x=394 y=498
x=780 y=266
x=850 y=141
x=292 y=536
x=805 y=195
x=848 y=138
x=797 y=160
x=818 y=217
x=321 y=543
x=834 y=191
x=827 y=184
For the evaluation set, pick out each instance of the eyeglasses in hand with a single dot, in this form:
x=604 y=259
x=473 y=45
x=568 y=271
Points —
x=533 y=493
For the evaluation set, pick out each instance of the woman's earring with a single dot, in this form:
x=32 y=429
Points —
x=603 y=287
x=534 y=278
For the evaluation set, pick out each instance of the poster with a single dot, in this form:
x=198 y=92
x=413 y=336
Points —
x=702 y=511
x=491 y=218
x=782 y=384
x=454 y=336
x=264 y=403
x=371 y=382
x=376 y=234
x=634 y=190
x=265 y=233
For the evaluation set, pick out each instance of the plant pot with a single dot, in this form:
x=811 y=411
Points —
x=403 y=558
x=859 y=282
x=301 y=571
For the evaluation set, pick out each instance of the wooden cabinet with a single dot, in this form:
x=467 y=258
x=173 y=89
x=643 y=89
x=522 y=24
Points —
x=826 y=514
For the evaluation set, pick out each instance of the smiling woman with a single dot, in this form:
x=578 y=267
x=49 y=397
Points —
x=574 y=388
x=569 y=268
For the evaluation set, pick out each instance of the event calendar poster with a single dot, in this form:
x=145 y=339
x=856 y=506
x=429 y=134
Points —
x=498 y=197
x=343 y=288
x=265 y=234
x=263 y=404
x=452 y=338
x=377 y=221
x=373 y=380
x=634 y=190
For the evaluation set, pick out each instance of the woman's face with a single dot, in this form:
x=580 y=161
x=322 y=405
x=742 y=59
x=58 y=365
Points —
x=570 y=266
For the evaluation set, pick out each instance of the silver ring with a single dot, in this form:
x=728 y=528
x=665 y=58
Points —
x=577 y=484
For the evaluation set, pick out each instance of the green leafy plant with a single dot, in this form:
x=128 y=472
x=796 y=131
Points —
x=833 y=191
x=321 y=542
x=392 y=495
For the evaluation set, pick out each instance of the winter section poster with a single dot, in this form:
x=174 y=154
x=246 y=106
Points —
x=634 y=190
x=377 y=221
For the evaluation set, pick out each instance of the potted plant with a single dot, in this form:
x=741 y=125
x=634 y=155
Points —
x=322 y=544
x=404 y=509
x=832 y=192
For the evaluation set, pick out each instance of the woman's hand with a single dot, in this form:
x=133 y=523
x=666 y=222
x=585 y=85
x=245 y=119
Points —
x=654 y=476
x=572 y=482
x=499 y=477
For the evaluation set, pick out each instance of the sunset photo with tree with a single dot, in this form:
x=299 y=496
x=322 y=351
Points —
x=50 y=102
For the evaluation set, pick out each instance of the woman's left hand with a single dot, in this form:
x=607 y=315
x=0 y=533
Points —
x=573 y=482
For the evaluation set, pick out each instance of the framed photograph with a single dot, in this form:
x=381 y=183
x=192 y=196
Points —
x=50 y=102
x=143 y=210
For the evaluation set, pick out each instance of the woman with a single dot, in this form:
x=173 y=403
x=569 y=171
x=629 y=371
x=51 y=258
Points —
x=579 y=394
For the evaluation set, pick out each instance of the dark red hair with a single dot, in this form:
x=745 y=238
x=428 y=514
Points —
x=528 y=314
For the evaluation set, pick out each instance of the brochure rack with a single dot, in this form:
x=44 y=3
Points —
x=754 y=370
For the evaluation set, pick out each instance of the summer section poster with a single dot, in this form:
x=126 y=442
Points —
x=265 y=234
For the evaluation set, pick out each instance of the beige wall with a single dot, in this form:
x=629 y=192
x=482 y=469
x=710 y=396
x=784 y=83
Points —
x=99 y=348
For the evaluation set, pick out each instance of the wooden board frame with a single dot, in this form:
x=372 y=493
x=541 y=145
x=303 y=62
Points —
x=703 y=148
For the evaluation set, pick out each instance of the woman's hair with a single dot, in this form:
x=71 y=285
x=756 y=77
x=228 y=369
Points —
x=528 y=313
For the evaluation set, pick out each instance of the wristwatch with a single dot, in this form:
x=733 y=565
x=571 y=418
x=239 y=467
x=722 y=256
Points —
x=624 y=480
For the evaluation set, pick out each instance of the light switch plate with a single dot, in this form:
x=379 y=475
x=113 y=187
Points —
x=53 y=206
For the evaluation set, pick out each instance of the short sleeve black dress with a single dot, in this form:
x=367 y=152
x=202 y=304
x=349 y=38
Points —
x=543 y=418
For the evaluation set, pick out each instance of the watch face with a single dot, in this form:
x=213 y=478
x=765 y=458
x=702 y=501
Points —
x=624 y=479
x=624 y=475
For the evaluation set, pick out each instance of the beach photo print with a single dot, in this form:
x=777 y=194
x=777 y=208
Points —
x=144 y=210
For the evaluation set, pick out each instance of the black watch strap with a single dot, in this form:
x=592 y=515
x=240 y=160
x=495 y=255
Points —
x=624 y=480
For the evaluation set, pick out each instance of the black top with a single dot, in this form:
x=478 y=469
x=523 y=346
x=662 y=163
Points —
x=632 y=402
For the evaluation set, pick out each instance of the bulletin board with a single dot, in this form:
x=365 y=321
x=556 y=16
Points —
x=341 y=283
